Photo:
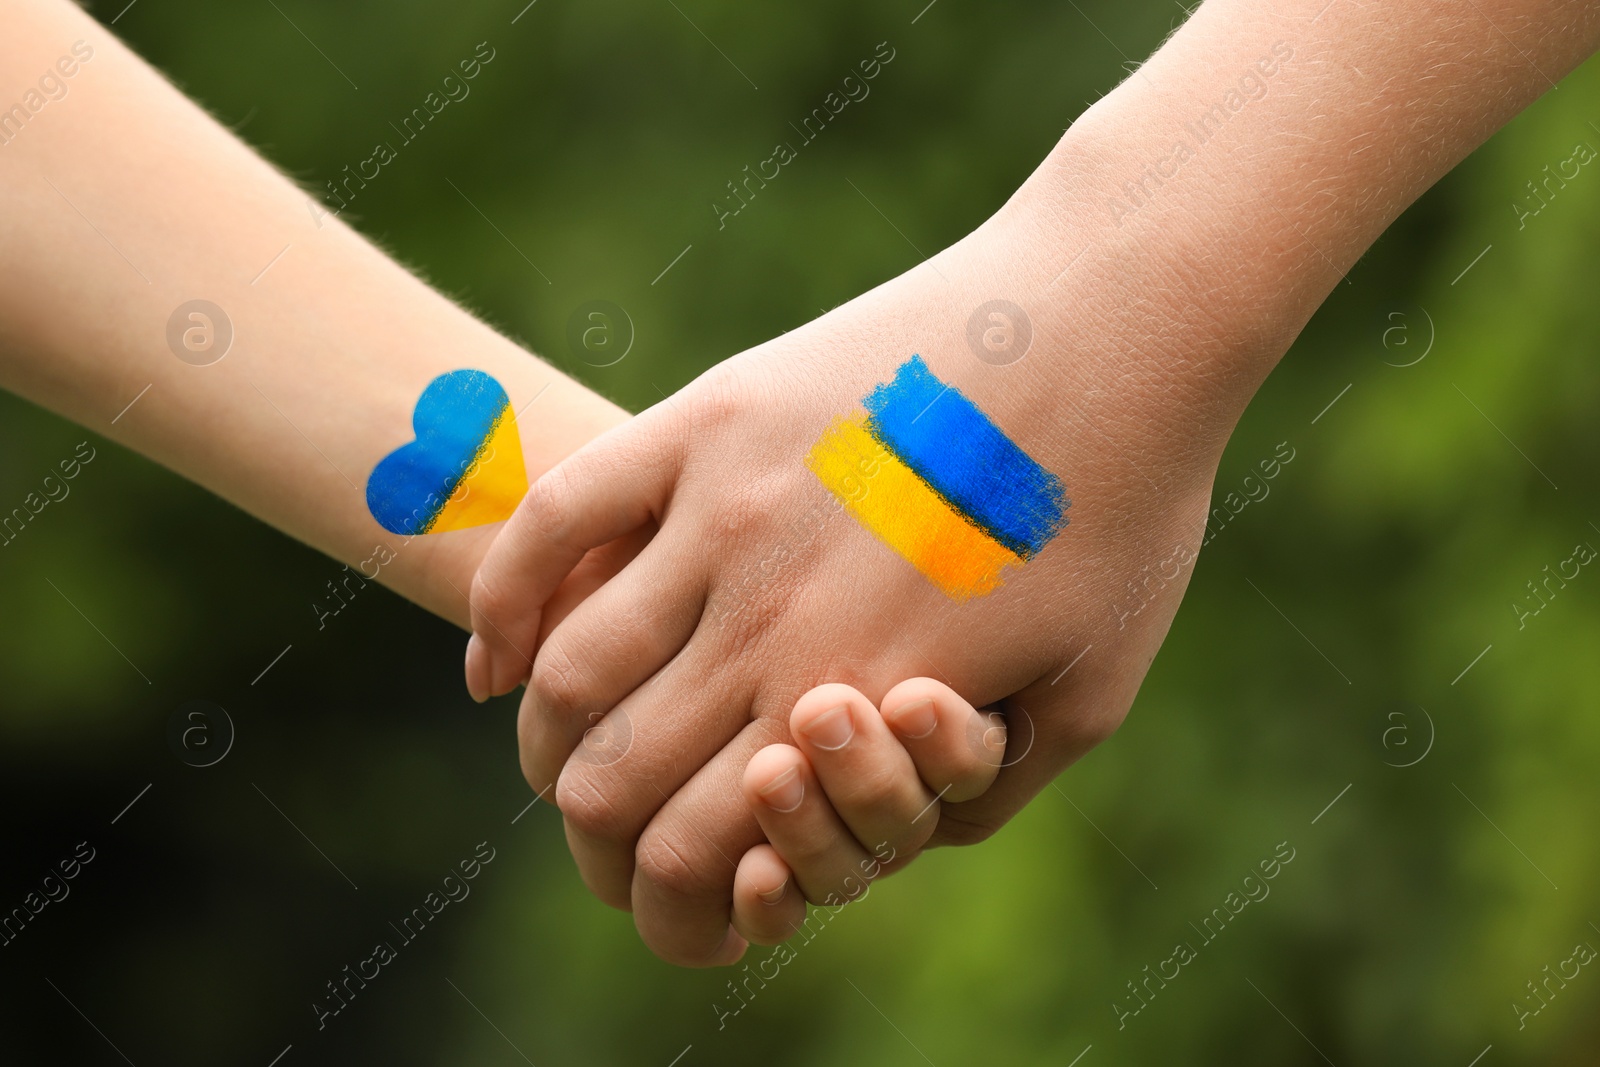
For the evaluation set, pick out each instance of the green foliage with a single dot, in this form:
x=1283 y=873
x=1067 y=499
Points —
x=597 y=139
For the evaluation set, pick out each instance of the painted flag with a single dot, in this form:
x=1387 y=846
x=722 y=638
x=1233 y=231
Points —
x=931 y=476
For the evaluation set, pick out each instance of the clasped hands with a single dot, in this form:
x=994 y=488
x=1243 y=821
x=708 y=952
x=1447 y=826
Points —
x=778 y=704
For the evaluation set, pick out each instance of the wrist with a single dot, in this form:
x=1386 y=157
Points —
x=1145 y=340
x=1228 y=184
x=1169 y=233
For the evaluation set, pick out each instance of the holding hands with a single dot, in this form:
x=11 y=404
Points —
x=915 y=539
x=989 y=475
x=884 y=492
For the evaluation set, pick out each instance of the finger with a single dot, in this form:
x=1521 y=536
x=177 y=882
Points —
x=638 y=755
x=610 y=645
x=686 y=857
x=767 y=905
x=869 y=779
x=795 y=814
x=616 y=484
x=957 y=749
x=1048 y=728
x=596 y=568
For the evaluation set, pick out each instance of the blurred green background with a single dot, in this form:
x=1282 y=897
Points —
x=1416 y=908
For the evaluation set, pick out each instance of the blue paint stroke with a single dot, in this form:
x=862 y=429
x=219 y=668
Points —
x=453 y=419
x=966 y=459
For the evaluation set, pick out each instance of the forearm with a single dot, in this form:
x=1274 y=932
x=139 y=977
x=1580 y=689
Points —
x=125 y=201
x=1223 y=189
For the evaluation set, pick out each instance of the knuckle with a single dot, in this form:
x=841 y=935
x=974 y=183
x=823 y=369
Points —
x=668 y=868
x=773 y=559
x=747 y=513
x=718 y=403
x=557 y=683
x=589 y=807
x=744 y=617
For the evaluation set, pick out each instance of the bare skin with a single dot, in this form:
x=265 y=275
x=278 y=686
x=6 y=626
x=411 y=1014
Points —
x=1159 y=303
x=856 y=796
x=1162 y=286
x=333 y=344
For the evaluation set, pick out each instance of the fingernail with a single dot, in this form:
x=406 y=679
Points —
x=772 y=896
x=832 y=729
x=476 y=670
x=915 y=720
x=784 y=793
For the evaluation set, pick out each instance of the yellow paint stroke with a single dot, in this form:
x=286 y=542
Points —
x=494 y=484
x=901 y=510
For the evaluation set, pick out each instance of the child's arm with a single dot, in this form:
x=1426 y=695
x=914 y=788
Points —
x=124 y=200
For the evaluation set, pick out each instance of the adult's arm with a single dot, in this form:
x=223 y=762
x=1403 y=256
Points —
x=1167 y=253
x=124 y=200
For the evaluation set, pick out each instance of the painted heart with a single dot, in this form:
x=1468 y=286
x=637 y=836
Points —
x=465 y=466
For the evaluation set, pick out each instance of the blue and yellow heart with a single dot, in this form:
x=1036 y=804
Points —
x=465 y=466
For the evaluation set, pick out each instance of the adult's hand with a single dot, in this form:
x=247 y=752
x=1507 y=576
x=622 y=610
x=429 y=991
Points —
x=1162 y=259
x=759 y=585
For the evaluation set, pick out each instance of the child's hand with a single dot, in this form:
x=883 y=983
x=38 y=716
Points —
x=858 y=798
